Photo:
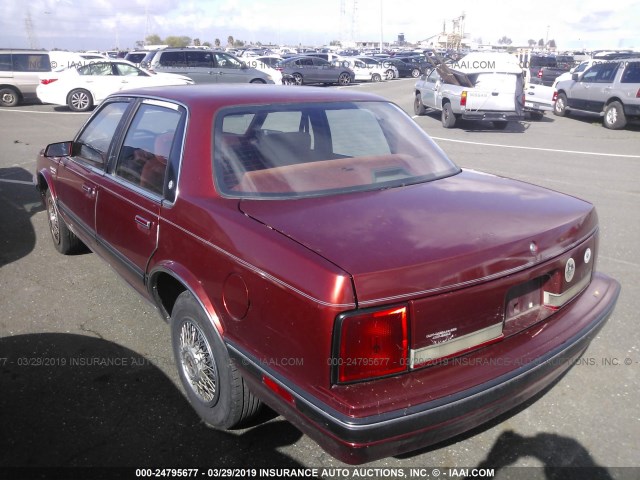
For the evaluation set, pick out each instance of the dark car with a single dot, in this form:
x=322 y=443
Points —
x=308 y=70
x=315 y=250
x=418 y=64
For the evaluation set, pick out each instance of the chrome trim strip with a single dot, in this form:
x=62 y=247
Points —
x=444 y=349
x=557 y=300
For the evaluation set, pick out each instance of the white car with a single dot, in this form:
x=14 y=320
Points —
x=579 y=69
x=391 y=71
x=266 y=64
x=83 y=87
x=365 y=72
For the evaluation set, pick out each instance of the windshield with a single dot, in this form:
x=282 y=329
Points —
x=312 y=149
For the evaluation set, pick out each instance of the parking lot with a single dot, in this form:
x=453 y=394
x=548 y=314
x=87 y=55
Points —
x=87 y=376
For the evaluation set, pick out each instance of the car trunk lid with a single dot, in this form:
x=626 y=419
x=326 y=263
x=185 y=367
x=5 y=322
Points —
x=411 y=241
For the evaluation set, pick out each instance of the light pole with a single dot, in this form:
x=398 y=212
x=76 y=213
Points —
x=381 y=28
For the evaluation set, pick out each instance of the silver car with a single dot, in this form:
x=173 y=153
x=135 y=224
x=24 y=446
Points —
x=306 y=70
x=20 y=75
x=609 y=89
x=204 y=66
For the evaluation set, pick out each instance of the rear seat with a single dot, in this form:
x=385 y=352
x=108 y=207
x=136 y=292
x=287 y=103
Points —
x=281 y=149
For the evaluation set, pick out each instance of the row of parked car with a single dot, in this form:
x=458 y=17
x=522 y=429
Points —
x=471 y=90
x=81 y=83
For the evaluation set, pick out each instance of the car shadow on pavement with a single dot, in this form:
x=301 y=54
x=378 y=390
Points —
x=555 y=452
x=76 y=401
x=481 y=126
x=19 y=201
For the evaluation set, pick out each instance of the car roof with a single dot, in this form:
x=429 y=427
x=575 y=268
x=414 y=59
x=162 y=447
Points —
x=207 y=97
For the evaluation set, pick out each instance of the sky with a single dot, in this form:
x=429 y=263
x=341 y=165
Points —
x=107 y=24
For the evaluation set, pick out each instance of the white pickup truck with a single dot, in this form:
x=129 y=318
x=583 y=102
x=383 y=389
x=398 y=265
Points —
x=480 y=86
x=538 y=99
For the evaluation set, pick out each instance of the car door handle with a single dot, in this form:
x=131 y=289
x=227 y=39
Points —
x=87 y=188
x=143 y=222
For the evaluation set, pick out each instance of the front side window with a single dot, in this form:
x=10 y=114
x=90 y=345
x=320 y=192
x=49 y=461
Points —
x=316 y=149
x=92 y=145
x=144 y=158
x=224 y=60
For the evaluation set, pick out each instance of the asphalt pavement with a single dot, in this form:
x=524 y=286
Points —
x=87 y=376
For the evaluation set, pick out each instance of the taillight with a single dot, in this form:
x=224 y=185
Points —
x=555 y=95
x=540 y=73
x=370 y=344
x=638 y=93
x=47 y=81
x=463 y=98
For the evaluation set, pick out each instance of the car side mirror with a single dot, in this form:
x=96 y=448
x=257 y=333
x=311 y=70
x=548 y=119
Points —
x=575 y=77
x=423 y=76
x=60 y=149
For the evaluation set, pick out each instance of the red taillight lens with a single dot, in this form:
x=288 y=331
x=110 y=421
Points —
x=463 y=98
x=47 y=81
x=540 y=73
x=371 y=344
x=638 y=93
x=555 y=96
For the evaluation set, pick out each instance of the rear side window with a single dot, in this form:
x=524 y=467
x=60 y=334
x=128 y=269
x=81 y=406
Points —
x=5 y=62
x=31 y=62
x=631 y=73
x=198 y=58
x=150 y=153
x=173 y=59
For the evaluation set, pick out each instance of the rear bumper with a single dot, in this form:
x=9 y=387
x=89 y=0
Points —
x=357 y=440
x=492 y=116
x=632 y=110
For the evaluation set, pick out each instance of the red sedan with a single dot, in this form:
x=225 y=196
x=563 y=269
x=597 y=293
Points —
x=314 y=249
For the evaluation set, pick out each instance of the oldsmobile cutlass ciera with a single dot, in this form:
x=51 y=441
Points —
x=315 y=250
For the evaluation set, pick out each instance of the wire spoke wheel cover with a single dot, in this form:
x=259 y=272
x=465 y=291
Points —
x=198 y=364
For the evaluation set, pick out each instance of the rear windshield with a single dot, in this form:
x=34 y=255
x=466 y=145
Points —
x=313 y=149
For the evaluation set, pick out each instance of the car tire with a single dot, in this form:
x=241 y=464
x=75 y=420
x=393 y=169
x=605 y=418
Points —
x=297 y=79
x=80 y=100
x=212 y=382
x=64 y=239
x=9 y=97
x=344 y=78
x=390 y=74
x=418 y=106
x=614 y=117
x=258 y=81
x=376 y=77
x=560 y=107
x=415 y=73
x=448 y=117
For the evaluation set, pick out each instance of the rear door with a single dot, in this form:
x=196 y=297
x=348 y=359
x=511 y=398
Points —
x=142 y=176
